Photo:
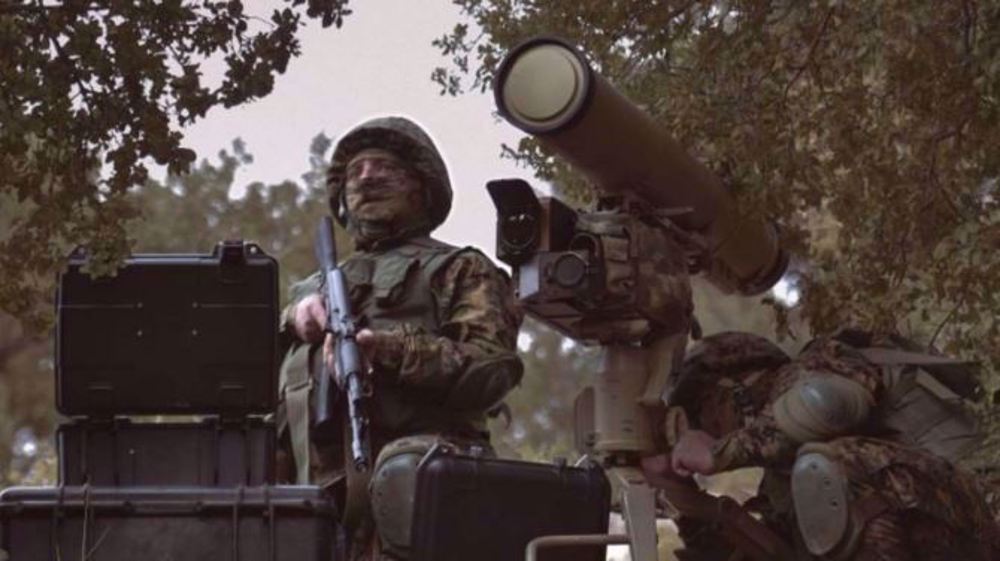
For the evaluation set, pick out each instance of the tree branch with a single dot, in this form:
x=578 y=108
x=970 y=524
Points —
x=809 y=55
x=39 y=8
x=944 y=322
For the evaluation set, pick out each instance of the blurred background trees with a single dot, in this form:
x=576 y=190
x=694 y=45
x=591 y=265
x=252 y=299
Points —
x=868 y=131
x=94 y=91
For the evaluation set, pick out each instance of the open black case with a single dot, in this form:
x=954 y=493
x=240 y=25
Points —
x=169 y=334
x=193 y=337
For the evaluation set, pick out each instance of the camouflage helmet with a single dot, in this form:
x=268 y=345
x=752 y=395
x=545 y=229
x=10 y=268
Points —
x=730 y=352
x=722 y=355
x=407 y=140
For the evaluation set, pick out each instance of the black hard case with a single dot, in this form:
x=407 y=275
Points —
x=210 y=452
x=168 y=524
x=489 y=509
x=170 y=334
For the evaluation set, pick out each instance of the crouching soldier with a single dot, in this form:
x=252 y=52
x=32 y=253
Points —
x=855 y=436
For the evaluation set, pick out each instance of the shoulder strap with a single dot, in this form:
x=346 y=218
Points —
x=430 y=243
x=958 y=375
x=297 y=384
x=883 y=356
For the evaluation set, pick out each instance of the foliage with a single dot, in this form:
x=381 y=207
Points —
x=867 y=130
x=91 y=90
x=192 y=212
x=26 y=396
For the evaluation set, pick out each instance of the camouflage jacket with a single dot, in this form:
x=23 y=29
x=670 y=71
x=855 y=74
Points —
x=728 y=388
x=741 y=414
x=456 y=322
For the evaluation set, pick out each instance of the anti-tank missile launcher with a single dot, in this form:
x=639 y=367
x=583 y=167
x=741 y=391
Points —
x=619 y=275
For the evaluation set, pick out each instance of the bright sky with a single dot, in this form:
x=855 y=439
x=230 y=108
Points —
x=378 y=63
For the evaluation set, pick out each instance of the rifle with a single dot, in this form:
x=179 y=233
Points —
x=341 y=324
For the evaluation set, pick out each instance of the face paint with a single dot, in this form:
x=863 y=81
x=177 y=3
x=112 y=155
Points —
x=380 y=187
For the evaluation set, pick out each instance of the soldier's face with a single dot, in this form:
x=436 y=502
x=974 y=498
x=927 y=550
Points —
x=379 y=186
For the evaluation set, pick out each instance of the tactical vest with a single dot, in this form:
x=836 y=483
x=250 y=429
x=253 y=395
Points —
x=386 y=288
x=392 y=287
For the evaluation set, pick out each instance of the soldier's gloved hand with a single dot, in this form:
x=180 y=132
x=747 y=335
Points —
x=693 y=454
x=310 y=318
x=382 y=347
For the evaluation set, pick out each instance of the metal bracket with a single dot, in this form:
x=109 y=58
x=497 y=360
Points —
x=638 y=505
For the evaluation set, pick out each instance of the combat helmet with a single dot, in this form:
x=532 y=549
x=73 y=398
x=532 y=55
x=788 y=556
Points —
x=407 y=140
x=725 y=354
x=734 y=351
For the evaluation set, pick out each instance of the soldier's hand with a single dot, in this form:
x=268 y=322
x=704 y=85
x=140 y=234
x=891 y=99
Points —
x=310 y=318
x=386 y=347
x=658 y=471
x=693 y=454
x=329 y=344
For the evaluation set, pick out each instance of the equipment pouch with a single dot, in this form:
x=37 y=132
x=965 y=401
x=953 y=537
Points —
x=389 y=280
x=358 y=274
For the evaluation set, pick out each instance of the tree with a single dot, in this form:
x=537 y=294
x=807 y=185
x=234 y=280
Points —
x=867 y=130
x=26 y=397
x=280 y=218
x=91 y=90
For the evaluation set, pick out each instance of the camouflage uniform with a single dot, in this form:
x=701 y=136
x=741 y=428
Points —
x=453 y=323
x=910 y=503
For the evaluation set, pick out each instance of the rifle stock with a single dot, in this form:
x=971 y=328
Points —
x=341 y=324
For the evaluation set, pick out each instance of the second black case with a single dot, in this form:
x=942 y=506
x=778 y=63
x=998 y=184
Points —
x=124 y=453
x=489 y=509
x=293 y=523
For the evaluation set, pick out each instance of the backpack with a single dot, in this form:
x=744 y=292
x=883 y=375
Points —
x=929 y=397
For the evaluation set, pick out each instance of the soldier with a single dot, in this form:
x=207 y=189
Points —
x=439 y=332
x=841 y=480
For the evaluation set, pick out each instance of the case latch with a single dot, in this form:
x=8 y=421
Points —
x=232 y=255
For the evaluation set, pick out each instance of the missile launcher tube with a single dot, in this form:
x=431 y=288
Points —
x=546 y=88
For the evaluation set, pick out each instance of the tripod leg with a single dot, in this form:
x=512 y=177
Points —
x=638 y=503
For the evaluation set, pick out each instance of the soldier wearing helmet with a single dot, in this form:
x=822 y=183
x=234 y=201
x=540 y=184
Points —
x=857 y=455
x=439 y=331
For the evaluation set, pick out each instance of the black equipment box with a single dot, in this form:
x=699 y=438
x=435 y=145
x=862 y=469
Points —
x=170 y=334
x=122 y=452
x=284 y=523
x=489 y=509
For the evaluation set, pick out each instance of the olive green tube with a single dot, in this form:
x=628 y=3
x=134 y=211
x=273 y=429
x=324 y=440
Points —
x=546 y=88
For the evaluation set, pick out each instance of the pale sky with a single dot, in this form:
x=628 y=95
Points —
x=378 y=63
